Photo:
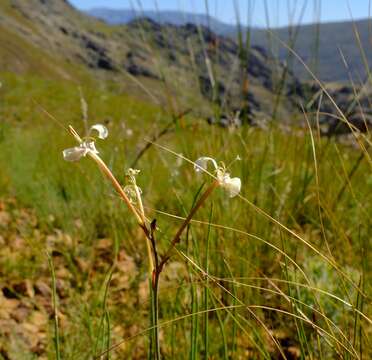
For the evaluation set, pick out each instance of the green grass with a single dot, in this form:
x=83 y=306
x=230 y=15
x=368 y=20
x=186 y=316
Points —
x=254 y=264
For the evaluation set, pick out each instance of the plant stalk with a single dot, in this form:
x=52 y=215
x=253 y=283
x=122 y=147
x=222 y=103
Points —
x=55 y=309
x=193 y=211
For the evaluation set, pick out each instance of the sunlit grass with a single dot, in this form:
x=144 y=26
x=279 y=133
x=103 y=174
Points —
x=280 y=271
x=248 y=253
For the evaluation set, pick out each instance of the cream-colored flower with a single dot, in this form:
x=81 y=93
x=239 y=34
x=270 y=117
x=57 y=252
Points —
x=202 y=164
x=231 y=185
x=87 y=145
x=101 y=129
x=77 y=152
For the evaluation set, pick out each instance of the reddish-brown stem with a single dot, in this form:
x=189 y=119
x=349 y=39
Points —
x=139 y=215
x=116 y=185
x=193 y=211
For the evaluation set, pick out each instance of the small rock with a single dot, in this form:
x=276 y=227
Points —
x=42 y=288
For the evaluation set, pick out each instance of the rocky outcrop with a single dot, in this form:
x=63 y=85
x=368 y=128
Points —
x=353 y=102
x=248 y=86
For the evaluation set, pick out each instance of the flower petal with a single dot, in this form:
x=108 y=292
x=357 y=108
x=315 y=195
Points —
x=202 y=164
x=101 y=129
x=89 y=146
x=232 y=186
x=75 y=153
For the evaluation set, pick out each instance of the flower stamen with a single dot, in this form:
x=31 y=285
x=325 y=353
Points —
x=231 y=185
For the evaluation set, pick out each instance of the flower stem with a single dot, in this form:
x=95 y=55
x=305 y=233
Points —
x=150 y=241
x=193 y=211
x=116 y=185
x=140 y=217
x=55 y=309
x=155 y=300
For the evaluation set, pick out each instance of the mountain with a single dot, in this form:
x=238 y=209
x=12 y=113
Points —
x=334 y=39
x=328 y=64
x=178 y=68
x=153 y=61
x=124 y=16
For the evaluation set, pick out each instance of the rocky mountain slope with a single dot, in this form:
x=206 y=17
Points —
x=338 y=43
x=334 y=37
x=125 y=16
x=177 y=67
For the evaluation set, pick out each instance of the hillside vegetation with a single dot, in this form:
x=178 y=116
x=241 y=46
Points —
x=281 y=270
x=321 y=43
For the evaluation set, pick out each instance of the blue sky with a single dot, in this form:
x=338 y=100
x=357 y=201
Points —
x=331 y=10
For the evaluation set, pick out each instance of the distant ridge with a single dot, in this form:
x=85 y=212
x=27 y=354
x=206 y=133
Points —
x=53 y=40
x=334 y=37
x=178 y=18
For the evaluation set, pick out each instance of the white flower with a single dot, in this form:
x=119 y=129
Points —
x=231 y=185
x=86 y=145
x=202 y=164
x=77 y=152
x=101 y=129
